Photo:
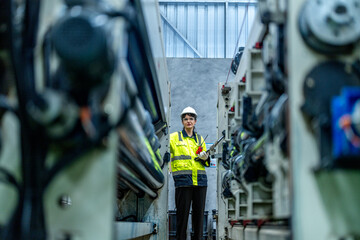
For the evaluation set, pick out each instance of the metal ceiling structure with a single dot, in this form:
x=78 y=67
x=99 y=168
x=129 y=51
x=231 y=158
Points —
x=205 y=29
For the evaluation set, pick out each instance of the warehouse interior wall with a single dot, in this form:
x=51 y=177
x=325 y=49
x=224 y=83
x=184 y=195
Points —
x=194 y=82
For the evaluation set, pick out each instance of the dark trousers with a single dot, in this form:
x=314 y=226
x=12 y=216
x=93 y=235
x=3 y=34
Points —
x=183 y=198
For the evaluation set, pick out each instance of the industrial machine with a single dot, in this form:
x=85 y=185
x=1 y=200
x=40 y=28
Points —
x=84 y=120
x=289 y=168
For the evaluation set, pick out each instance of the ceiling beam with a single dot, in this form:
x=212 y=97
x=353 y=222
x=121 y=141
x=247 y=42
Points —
x=180 y=35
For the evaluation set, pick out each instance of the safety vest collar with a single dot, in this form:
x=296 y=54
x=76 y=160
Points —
x=184 y=133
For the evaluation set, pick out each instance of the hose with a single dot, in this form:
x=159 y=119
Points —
x=133 y=138
x=134 y=180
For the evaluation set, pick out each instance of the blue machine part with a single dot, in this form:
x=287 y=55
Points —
x=346 y=123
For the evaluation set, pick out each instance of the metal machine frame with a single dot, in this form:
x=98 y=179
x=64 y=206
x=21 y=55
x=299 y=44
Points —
x=293 y=178
x=87 y=154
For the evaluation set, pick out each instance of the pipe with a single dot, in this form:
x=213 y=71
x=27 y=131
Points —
x=139 y=150
x=133 y=180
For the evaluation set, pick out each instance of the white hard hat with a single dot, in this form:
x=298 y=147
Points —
x=188 y=110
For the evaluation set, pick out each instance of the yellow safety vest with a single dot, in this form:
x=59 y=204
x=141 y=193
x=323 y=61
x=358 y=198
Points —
x=185 y=170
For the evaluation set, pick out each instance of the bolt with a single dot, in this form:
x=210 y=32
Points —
x=65 y=201
x=339 y=16
x=310 y=83
x=340 y=9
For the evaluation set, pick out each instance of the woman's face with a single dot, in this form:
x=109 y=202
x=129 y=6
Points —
x=188 y=122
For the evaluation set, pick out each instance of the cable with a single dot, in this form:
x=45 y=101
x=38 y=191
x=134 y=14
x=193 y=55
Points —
x=72 y=155
x=27 y=221
x=128 y=15
x=5 y=231
x=9 y=179
x=46 y=52
x=66 y=160
x=5 y=105
x=259 y=142
x=237 y=42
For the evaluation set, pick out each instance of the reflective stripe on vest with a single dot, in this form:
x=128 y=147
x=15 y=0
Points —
x=183 y=172
x=188 y=172
x=181 y=157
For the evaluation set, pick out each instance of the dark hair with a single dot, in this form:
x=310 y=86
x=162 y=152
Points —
x=190 y=114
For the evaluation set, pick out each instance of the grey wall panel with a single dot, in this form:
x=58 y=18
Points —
x=194 y=83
